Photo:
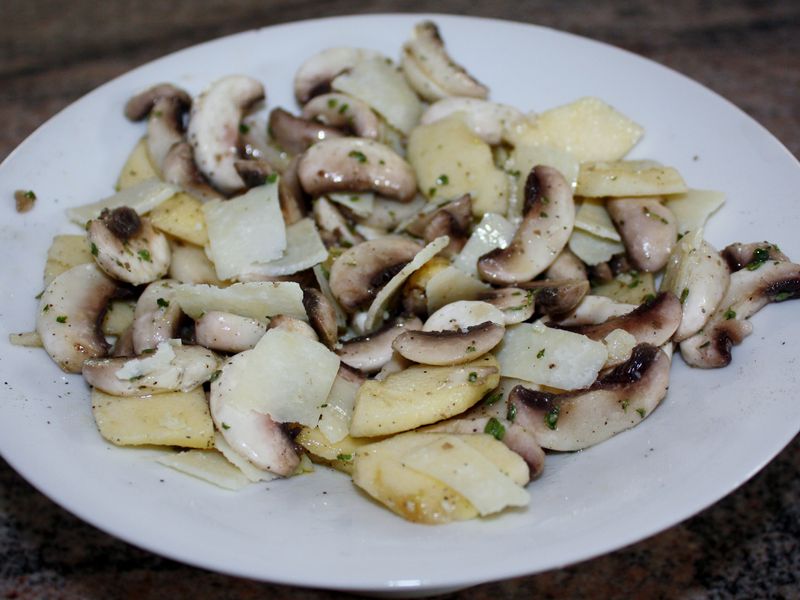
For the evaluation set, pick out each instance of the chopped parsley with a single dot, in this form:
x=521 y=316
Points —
x=471 y=348
x=641 y=412
x=145 y=255
x=343 y=108
x=442 y=180
x=30 y=195
x=495 y=429
x=332 y=103
x=729 y=314
x=46 y=307
x=272 y=178
x=544 y=215
x=635 y=280
x=215 y=375
x=624 y=404
x=540 y=353
x=649 y=298
x=760 y=256
x=684 y=295
x=432 y=192
x=511 y=413
x=780 y=297
x=162 y=303
x=344 y=457
x=225 y=425
x=358 y=155
x=244 y=128
x=61 y=318
x=94 y=249
x=473 y=377
x=492 y=398
x=551 y=418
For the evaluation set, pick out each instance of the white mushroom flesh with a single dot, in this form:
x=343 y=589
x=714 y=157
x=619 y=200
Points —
x=156 y=317
x=346 y=112
x=228 y=332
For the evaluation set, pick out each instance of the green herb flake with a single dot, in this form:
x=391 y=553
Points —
x=332 y=103
x=649 y=298
x=540 y=353
x=344 y=457
x=545 y=200
x=358 y=155
x=780 y=297
x=145 y=255
x=432 y=192
x=162 y=303
x=272 y=178
x=30 y=195
x=624 y=404
x=61 y=318
x=760 y=256
x=551 y=418
x=471 y=348
x=495 y=429
x=511 y=413
x=39 y=295
x=729 y=314
x=225 y=426
x=684 y=295
x=544 y=215
x=46 y=307
x=442 y=180
x=492 y=398
x=94 y=249
x=244 y=128
x=473 y=377
x=215 y=375
x=641 y=412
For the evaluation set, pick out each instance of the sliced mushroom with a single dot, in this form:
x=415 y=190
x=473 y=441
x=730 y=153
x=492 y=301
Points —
x=293 y=325
x=593 y=310
x=449 y=347
x=123 y=346
x=433 y=74
x=321 y=315
x=653 y=322
x=213 y=128
x=750 y=289
x=453 y=219
x=356 y=165
x=290 y=194
x=738 y=255
x=488 y=120
x=182 y=368
x=254 y=171
x=253 y=435
x=344 y=112
x=516 y=304
x=127 y=247
x=179 y=168
x=227 y=332
x=371 y=352
x=360 y=272
x=462 y=314
x=138 y=107
x=415 y=289
x=616 y=402
x=294 y=134
x=334 y=228
x=566 y=266
x=648 y=230
x=70 y=312
x=557 y=297
x=315 y=75
x=549 y=215
x=156 y=317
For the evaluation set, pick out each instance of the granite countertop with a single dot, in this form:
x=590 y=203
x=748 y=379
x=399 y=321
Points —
x=747 y=545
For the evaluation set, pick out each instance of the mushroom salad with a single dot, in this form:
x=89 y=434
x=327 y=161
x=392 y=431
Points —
x=402 y=280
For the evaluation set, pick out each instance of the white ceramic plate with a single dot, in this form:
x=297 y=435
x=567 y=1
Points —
x=713 y=431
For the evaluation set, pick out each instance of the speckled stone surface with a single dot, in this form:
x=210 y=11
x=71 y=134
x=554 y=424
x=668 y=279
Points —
x=746 y=546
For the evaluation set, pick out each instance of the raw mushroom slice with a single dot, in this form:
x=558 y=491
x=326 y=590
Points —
x=294 y=134
x=437 y=75
x=566 y=266
x=653 y=322
x=549 y=214
x=315 y=75
x=750 y=289
x=488 y=120
x=557 y=297
x=180 y=169
x=739 y=255
x=166 y=106
x=516 y=304
x=356 y=165
x=371 y=352
x=462 y=314
x=293 y=325
x=156 y=317
x=290 y=194
x=449 y=347
x=453 y=219
x=360 y=272
x=70 y=313
x=321 y=315
x=615 y=402
x=344 y=112
x=213 y=129
x=648 y=230
x=254 y=171
x=334 y=228
x=227 y=332
x=593 y=310
x=169 y=369
x=252 y=435
x=127 y=247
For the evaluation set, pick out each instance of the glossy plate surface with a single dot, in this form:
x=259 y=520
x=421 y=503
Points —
x=713 y=431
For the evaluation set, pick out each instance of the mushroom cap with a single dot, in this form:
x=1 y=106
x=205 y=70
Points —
x=321 y=316
x=356 y=165
x=449 y=347
x=371 y=352
x=557 y=297
x=545 y=229
x=361 y=271
x=70 y=311
x=180 y=169
x=515 y=304
x=648 y=230
x=156 y=317
x=343 y=111
x=295 y=134
x=462 y=314
x=140 y=105
x=228 y=332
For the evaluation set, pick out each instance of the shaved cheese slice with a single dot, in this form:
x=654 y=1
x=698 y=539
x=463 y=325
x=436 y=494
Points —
x=248 y=469
x=361 y=204
x=628 y=178
x=245 y=230
x=379 y=83
x=375 y=314
x=592 y=249
x=620 y=344
x=529 y=153
x=552 y=357
x=304 y=249
x=593 y=217
x=286 y=376
x=468 y=472
x=26 y=339
x=451 y=284
x=257 y=300
x=337 y=410
x=693 y=208
x=494 y=231
x=161 y=360
x=208 y=465
x=142 y=197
